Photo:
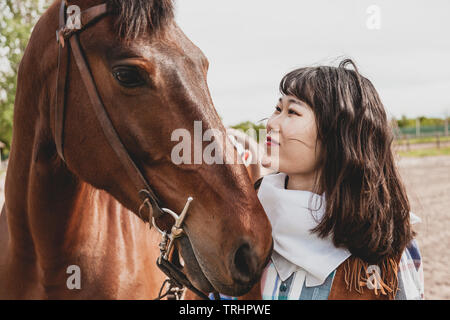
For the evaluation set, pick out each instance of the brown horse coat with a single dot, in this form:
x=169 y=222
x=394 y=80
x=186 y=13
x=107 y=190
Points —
x=83 y=211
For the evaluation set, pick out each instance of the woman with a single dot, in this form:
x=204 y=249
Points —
x=340 y=215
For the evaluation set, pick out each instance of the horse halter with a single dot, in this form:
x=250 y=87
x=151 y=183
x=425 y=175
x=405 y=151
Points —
x=177 y=279
x=87 y=18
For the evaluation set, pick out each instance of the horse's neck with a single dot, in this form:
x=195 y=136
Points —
x=53 y=218
x=44 y=201
x=58 y=220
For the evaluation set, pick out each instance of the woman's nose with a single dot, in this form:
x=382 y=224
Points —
x=272 y=126
x=269 y=125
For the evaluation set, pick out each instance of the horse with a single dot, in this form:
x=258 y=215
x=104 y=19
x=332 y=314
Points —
x=72 y=204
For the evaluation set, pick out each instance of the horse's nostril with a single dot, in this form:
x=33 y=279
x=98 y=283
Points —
x=244 y=264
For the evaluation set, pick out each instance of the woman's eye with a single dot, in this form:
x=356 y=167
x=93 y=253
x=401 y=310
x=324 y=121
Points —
x=277 y=108
x=292 y=112
x=128 y=77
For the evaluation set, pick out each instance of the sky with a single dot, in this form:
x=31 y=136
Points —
x=402 y=46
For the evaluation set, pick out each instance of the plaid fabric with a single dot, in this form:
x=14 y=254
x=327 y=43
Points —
x=293 y=288
x=222 y=297
x=410 y=274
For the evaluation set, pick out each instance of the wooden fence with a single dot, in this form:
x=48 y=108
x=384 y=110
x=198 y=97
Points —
x=436 y=140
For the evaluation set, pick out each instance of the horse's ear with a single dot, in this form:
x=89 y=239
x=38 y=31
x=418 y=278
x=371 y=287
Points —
x=258 y=183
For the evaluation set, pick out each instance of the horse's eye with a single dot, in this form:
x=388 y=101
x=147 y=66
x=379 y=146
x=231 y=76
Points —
x=128 y=76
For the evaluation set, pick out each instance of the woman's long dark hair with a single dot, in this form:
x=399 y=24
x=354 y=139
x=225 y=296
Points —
x=367 y=209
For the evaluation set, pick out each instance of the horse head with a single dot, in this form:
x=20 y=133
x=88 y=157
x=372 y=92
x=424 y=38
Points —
x=152 y=80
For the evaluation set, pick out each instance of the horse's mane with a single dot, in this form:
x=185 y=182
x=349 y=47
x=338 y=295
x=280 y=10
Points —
x=141 y=16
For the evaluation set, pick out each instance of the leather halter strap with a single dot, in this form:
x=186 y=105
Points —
x=87 y=18
x=149 y=199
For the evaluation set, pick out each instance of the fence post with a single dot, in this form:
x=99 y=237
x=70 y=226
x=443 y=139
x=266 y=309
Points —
x=446 y=126
x=438 y=142
x=417 y=127
x=407 y=143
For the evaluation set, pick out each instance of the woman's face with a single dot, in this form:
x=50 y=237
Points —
x=292 y=145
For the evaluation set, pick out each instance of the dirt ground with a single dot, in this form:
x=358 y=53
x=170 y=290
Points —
x=427 y=182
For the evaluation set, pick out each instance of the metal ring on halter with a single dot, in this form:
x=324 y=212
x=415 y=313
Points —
x=145 y=203
x=173 y=214
x=176 y=228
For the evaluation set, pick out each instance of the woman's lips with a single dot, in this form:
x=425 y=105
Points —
x=270 y=141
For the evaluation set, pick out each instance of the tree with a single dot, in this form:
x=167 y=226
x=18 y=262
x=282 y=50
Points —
x=17 y=19
x=244 y=126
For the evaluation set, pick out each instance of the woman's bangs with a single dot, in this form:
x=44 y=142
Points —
x=298 y=84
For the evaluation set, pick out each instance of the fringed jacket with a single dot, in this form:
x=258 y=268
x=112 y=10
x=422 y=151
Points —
x=409 y=275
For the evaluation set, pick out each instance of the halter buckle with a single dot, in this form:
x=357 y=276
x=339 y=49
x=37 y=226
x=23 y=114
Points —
x=60 y=37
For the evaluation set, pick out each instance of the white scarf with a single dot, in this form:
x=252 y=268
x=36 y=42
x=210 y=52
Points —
x=295 y=247
x=293 y=213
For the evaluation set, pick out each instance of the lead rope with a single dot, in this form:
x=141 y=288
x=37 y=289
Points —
x=172 y=293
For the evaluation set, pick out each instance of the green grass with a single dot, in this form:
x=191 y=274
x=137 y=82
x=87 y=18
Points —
x=431 y=139
x=425 y=152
